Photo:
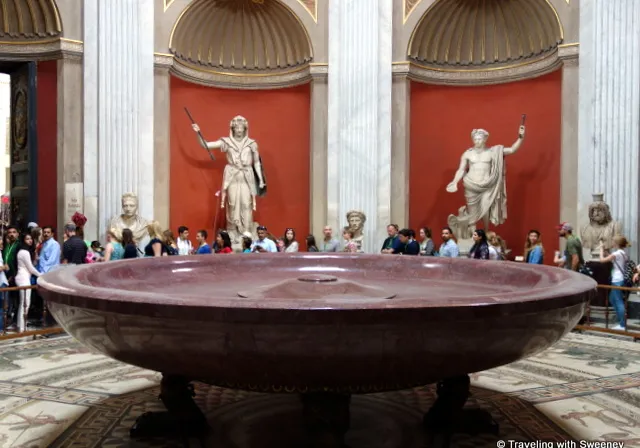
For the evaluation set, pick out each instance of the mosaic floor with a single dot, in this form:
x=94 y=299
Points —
x=56 y=393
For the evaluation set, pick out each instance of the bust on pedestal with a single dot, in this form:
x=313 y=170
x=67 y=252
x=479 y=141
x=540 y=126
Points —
x=356 y=220
x=482 y=171
x=129 y=219
x=602 y=228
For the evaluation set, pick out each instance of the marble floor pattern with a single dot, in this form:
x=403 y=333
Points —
x=56 y=393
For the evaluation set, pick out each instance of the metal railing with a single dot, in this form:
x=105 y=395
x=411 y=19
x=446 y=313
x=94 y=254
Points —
x=591 y=323
x=44 y=329
x=588 y=323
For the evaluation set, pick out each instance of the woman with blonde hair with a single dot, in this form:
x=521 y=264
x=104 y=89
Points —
x=533 y=250
x=113 y=250
x=497 y=248
x=157 y=247
x=618 y=259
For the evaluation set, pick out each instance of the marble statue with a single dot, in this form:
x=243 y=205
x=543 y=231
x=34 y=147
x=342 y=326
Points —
x=243 y=178
x=129 y=219
x=461 y=229
x=355 y=221
x=482 y=171
x=601 y=228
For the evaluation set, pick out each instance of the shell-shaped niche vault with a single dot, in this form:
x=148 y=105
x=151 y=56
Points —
x=241 y=38
x=482 y=35
x=24 y=21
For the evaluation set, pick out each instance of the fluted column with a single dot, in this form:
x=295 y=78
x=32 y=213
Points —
x=318 y=146
x=359 y=114
x=69 y=118
x=609 y=141
x=400 y=147
x=118 y=107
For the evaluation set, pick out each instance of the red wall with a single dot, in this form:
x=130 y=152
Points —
x=47 y=131
x=442 y=118
x=278 y=121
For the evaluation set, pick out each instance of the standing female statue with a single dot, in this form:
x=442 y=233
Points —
x=243 y=177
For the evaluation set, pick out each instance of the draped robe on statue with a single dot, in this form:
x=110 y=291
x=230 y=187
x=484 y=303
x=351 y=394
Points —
x=239 y=182
x=488 y=197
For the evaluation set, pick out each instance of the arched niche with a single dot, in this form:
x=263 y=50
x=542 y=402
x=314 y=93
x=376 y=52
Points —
x=484 y=42
x=240 y=44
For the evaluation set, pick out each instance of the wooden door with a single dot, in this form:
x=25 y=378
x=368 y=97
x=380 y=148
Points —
x=23 y=145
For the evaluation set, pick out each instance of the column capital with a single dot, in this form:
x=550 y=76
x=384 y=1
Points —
x=569 y=54
x=162 y=61
x=400 y=69
x=71 y=49
x=319 y=72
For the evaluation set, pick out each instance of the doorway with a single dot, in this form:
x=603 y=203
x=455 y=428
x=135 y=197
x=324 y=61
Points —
x=18 y=156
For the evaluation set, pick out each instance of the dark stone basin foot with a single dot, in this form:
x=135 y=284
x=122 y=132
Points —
x=447 y=416
x=182 y=419
x=326 y=418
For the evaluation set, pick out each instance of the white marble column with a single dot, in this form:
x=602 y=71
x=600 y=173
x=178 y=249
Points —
x=609 y=123
x=570 y=116
x=118 y=108
x=359 y=114
x=318 y=146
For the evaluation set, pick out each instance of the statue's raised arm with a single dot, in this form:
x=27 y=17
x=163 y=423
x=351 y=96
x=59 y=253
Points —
x=464 y=162
x=205 y=144
x=517 y=143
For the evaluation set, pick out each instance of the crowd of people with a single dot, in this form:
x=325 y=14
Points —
x=28 y=254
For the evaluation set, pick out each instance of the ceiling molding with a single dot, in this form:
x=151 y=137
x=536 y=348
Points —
x=256 y=81
x=488 y=76
x=41 y=51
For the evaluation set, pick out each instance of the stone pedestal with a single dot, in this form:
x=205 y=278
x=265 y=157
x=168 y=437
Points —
x=609 y=121
x=118 y=108
x=359 y=115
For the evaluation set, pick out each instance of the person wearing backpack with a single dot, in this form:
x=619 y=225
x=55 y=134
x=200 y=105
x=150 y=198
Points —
x=620 y=265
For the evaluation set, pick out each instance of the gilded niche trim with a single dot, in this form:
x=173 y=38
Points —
x=240 y=37
x=312 y=7
x=462 y=35
x=409 y=6
x=167 y=4
x=29 y=20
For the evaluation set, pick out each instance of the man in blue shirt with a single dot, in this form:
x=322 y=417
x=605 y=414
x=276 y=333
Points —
x=449 y=248
x=263 y=244
x=203 y=246
x=49 y=257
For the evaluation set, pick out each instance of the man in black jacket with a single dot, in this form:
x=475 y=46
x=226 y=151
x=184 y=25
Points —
x=408 y=245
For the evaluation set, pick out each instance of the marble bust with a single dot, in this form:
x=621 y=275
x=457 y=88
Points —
x=243 y=178
x=355 y=223
x=129 y=219
x=482 y=171
x=601 y=228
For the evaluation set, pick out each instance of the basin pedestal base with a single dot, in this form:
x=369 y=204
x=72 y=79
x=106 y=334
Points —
x=447 y=416
x=183 y=417
x=327 y=418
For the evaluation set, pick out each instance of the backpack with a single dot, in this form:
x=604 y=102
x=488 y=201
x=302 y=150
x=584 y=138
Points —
x=628 y=270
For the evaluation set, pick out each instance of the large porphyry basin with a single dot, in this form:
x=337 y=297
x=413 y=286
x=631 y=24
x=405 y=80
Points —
x=307 y=322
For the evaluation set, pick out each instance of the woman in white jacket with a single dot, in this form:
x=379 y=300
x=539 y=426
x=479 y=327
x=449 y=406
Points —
x=25 y=258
